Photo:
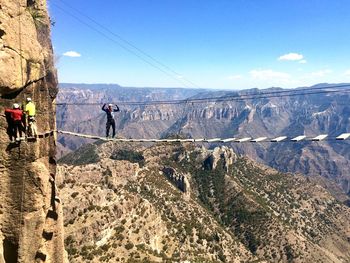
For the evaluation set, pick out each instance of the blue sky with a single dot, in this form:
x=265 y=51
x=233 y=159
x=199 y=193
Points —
x=223 y=44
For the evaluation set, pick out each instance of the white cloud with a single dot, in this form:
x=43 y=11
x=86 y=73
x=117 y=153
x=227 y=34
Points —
x=234 y=77
x=291 y=57
x=72 y=54
x=347 y=72
x=321 y=73
x=268 y=74
x=303 y=61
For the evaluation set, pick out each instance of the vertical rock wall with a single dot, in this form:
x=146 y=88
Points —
x=31 y=225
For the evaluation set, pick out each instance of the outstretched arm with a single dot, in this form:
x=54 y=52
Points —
x=104 y=107
x=117 y=108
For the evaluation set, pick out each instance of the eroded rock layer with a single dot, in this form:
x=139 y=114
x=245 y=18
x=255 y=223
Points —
x=30 y=212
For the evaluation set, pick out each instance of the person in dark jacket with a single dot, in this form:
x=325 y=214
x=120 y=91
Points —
x=110 y=117
x=15 y=116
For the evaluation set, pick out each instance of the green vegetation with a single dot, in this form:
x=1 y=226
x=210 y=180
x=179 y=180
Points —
x=37 y=15
x=129 y=246
x=230 y=209
x=75 y=194
x=289 y=253
x=129 y=155
x=119 y=229
x=84 y=155
x=253 y=206
x=232 y=212
x=70 y=245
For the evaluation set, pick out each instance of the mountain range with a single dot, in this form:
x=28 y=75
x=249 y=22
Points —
x=272 y=116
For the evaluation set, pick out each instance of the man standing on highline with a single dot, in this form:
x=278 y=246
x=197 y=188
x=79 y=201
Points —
x=110 y=117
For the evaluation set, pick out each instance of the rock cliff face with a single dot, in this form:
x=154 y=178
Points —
x=31 y=223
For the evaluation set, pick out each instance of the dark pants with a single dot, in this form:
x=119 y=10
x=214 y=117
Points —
x=110 y=123
x=10 y=126
x=17 y=127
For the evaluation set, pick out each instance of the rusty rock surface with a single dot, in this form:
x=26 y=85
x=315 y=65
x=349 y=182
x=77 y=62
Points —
x=31 y=223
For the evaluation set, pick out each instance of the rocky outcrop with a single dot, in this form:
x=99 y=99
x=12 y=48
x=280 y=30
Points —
x=31 y=223
x=179 y=180
x=224 y=154
x=236 y=210
x=25 y=47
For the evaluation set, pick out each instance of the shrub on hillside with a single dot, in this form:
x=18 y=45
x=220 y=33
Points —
x=84 y=155
x=129 y=246
x=128 y=155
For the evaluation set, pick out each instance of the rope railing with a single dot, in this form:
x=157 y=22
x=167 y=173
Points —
x=247 y=139
x=278 y=139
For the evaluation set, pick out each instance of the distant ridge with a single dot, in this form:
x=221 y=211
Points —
x=291 y=116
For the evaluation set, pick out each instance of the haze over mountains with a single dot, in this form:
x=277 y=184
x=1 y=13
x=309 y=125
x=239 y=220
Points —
x=291 y=116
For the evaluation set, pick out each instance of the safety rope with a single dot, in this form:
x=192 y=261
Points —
x=51 y=108
x=21 y=221
x=25 y=152
x=20 y=41
x=279 y=139
x=238 y=96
